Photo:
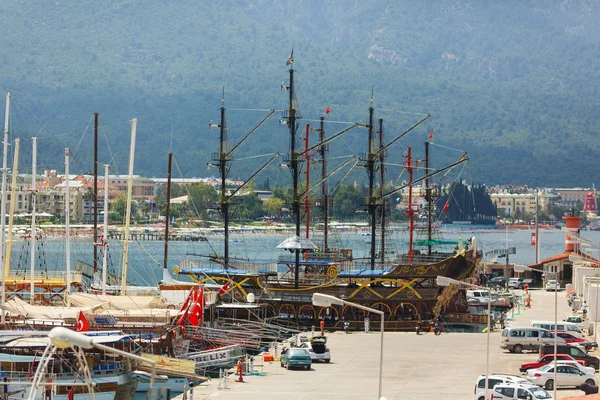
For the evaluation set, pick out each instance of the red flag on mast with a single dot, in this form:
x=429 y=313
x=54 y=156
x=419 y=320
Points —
x=430 y=134
x=82 y=323
x=328 y=110
x=446 y=206
x=224 y=288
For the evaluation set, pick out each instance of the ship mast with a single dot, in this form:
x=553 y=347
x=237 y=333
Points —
x=96 y=191
x=411 y=214
x=223 y=165
x=383 y=200
x=429 y=199
x=307 y=156
x=324 y=191
x=33 y=210
x=372 y=201
x=293 y=162
x=167 y=214
x=3 y=205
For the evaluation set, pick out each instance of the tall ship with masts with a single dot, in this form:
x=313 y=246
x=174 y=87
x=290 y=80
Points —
x=402 y=286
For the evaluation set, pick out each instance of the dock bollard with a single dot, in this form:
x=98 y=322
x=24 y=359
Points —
x=185 y=392
x=220 y=379
x=225 y=380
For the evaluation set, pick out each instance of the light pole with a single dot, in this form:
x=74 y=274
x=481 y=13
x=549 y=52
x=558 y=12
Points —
x=444 y=281
x=324 y=300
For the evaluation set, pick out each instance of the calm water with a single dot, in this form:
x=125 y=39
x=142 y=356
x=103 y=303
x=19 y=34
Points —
x=146 y=257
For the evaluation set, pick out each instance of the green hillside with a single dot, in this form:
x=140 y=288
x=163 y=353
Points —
x=513 y=83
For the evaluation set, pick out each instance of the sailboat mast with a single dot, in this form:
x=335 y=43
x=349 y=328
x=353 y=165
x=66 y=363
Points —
x=96 y=190
x=167 y=214
x=13 y=201
x=371 y=202
x=3 y=205
x=105 y=231
x=33 y=209
x=223 y=169
x=128 y=208
x=294 y=168
x=429 y=199
x=324 y=192
x=68 y=228
x=383 y=200
x=411 y=214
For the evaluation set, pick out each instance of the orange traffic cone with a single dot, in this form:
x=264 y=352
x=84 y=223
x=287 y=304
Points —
x=430 y=328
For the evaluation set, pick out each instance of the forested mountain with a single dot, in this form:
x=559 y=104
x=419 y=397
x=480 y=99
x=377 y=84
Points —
x=513 y=83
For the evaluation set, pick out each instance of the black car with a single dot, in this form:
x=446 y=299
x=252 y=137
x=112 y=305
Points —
x=529 y=283
x=574 y=351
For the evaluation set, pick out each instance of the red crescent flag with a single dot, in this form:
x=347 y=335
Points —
x=224 y=288
x=533 y=238
x=328 y=110
x=446 y=206
x=82 y=323
x=430 y=134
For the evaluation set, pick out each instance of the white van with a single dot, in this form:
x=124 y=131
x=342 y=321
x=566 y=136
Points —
x=563 y=326
x=482 y=296
x=516 y=340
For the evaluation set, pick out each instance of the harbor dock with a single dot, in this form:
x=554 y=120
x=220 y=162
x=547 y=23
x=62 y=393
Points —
x=416 y=367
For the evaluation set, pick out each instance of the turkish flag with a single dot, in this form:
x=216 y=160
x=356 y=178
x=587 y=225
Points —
x=328 y=110
x=224 y=288
x=82 y=323
x=431 y=134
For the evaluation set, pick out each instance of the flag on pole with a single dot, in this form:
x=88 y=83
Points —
x=328 y=110
x=224 y=288
x=430 y=134
x=290 y=59
x=446 y=207
x=82 y=323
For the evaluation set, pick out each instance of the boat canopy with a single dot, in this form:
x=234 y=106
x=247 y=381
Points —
x=434 y=242
x=297 y=243
x=219 y=271
x=363 y=273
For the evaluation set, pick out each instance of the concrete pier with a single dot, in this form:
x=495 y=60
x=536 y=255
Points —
x=415 y=367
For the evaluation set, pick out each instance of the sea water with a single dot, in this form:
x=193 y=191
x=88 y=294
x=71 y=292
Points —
x=146 y=257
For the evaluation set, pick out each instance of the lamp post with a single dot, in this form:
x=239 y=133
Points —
x=324 y=300
x=445 y=281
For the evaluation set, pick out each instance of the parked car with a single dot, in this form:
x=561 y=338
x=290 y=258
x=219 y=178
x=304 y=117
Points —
x=317 y=348
x=575 y=319
x=552 y=285
x=572 y=339
x=516 y=340
x=548 y=358
x=514 y=282
x=493 y=380
x=498 y=281
x=568 y=327
x=523 y=391
x=528 y=282
x=296 y=357
x=566 y=375
x=574 y=351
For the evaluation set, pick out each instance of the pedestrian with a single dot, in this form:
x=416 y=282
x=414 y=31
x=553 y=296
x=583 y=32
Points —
x=367 y=325
x=502 y=320
x=322 y=326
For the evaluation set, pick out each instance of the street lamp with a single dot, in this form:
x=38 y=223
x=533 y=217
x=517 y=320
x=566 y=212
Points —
x=522 y=268
x=325 y=300
x=63 y=338
x=445 y=281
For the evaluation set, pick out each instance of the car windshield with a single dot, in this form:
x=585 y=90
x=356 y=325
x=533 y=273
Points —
x=574 y=319
x=545 y=368
x=298 y=352
x=551 y=282
x=540 y=393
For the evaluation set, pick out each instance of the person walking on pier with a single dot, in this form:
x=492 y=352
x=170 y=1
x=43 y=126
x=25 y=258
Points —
x=322 y=326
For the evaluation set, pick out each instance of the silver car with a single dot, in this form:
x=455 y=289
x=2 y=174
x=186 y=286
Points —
x=318 y=349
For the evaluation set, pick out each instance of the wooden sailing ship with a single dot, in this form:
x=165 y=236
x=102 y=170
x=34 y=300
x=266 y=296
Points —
x=403 y=288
